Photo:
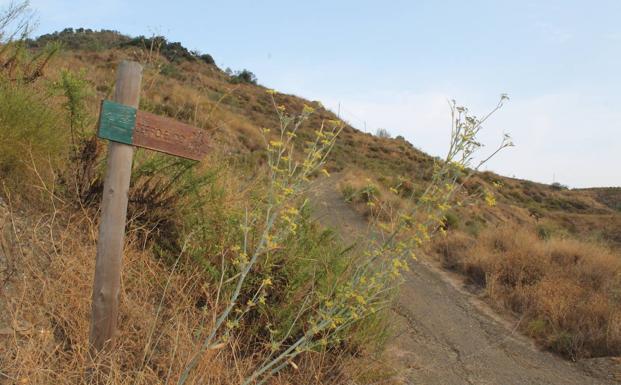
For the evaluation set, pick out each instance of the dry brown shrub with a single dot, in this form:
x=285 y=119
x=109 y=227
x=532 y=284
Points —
x=567 y=290
x=47 y=308
x=369 y=197
x=452 y=253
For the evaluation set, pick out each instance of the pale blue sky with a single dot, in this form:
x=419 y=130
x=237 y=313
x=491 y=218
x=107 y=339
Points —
x=394 y=64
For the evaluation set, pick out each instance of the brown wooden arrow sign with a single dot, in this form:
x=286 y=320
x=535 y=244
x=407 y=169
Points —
x=124 y=124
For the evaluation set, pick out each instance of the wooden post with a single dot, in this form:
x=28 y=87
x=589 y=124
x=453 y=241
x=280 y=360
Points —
x=107 y=283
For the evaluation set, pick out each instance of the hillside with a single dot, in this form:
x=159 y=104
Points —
x=189 y=88
x=542 y=253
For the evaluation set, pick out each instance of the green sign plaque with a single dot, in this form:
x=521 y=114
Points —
x=117 y=122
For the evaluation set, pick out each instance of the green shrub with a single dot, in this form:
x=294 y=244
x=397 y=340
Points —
x=75 y=89
x=169 y=198
x=348 y=192
x=558 y=186
x=170 y=70
x=243 y=76
x=32 y=135
x=173 y=51
x=369 y=193
x=310 y=264
x=535 y=211
x=450 y=221
x=537 y=328
x=544 y=232
x=474 y=226
x=206 y=58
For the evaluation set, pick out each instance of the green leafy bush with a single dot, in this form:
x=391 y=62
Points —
x=450 y=221
x=244 y=76
x=558 y=186
x=544 y=232
x=33 y=138
x=206 y=58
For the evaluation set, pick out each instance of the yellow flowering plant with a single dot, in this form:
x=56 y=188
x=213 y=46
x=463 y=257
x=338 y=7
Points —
x=323 y=317
x=277 y=219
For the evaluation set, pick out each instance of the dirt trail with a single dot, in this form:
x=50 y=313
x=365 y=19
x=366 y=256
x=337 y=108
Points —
x=445 y=335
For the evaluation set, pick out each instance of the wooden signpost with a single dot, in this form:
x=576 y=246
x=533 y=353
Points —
x=125 y=126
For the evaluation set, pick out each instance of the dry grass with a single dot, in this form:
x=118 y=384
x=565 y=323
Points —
x=370 y=197
x=47 y=308
x=45 y=304
x=568 y=290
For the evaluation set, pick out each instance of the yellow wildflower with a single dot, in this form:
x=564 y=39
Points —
x=490 y=199
x=292 y=211
x=444 y=207
x=276 y=143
